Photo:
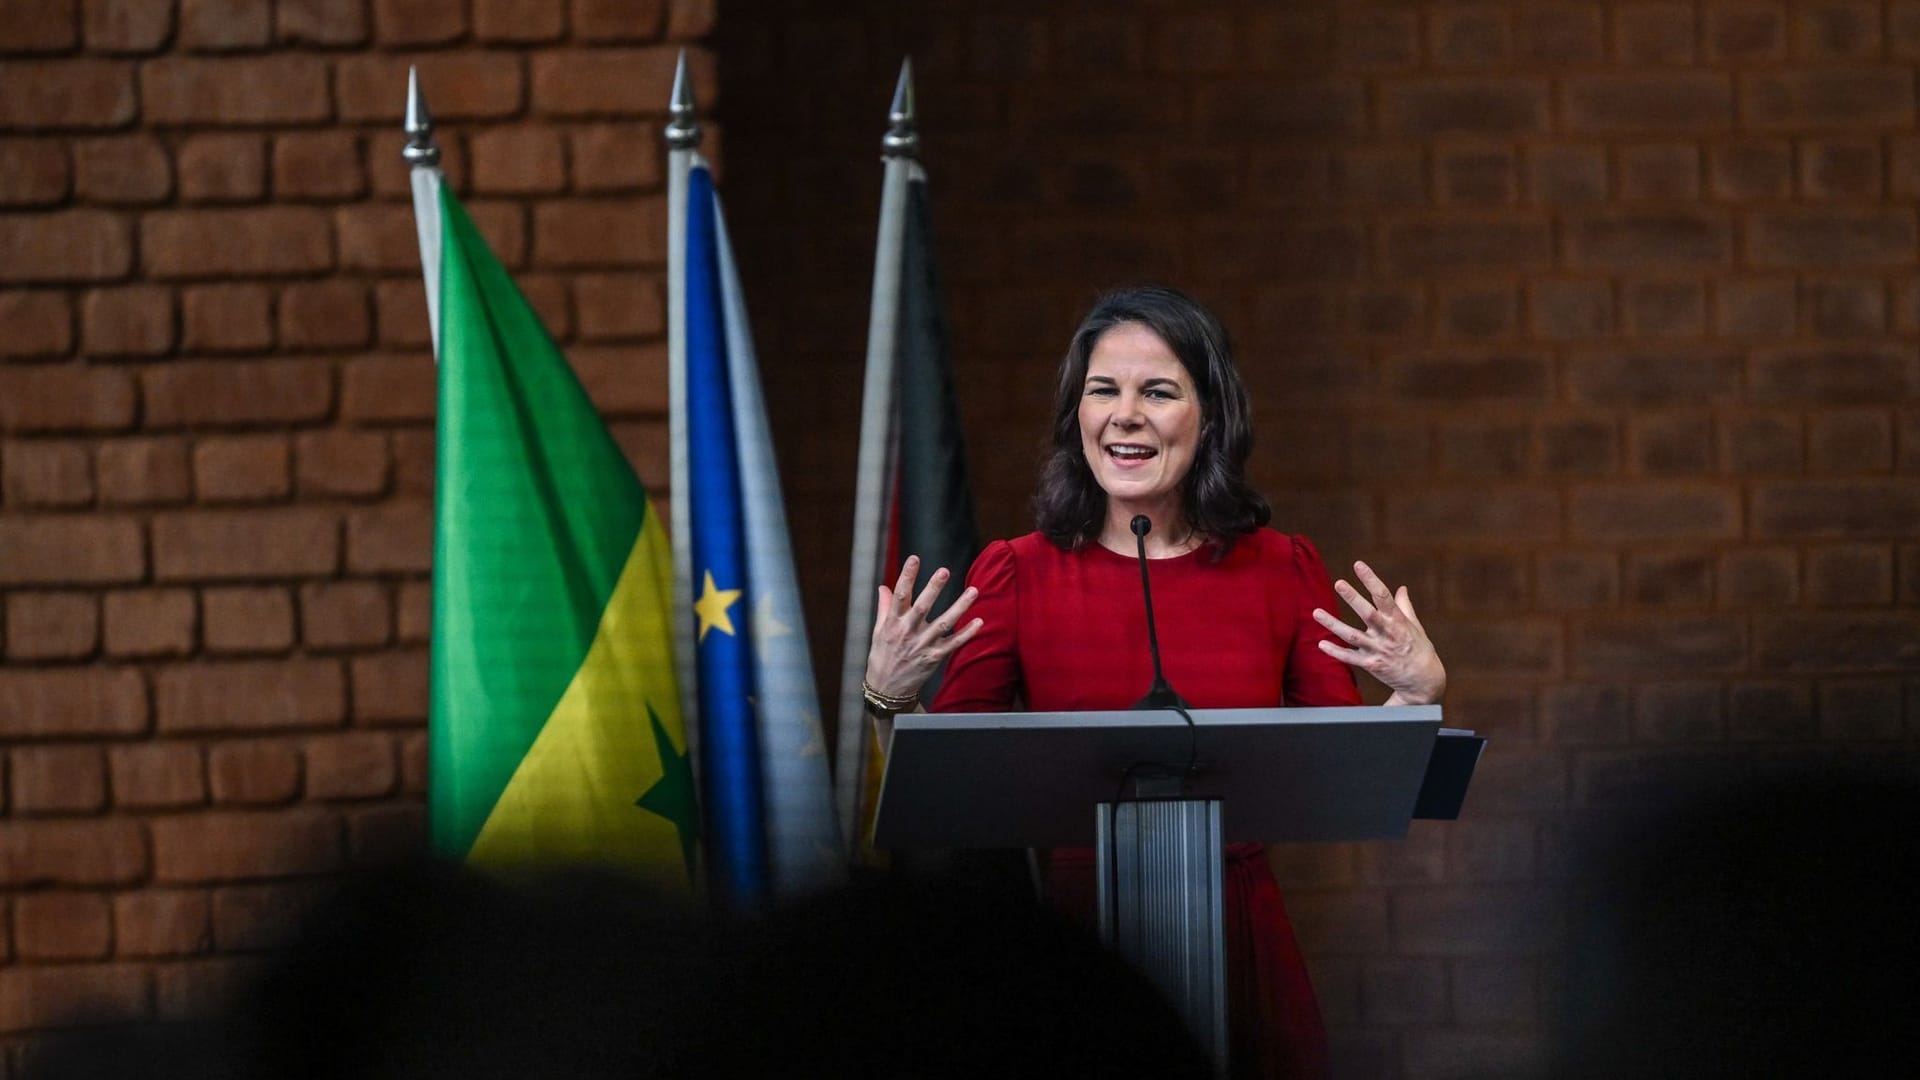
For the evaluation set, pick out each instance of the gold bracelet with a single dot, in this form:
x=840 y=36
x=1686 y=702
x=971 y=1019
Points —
x=887 y=704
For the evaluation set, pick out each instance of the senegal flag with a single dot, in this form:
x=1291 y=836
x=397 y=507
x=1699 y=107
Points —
x=555 y=731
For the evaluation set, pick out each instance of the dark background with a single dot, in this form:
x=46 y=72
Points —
x=1594 y=323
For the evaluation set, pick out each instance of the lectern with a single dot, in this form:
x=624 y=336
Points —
x=1158 y=797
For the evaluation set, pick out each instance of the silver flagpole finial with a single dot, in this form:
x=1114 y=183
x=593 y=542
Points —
x=420 y=148
x=901 y=139
x=683 y=131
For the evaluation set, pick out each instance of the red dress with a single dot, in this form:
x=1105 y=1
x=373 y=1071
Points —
x=1067 y=631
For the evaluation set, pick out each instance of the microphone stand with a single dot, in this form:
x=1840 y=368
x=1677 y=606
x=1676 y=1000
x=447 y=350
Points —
x=1161 y=695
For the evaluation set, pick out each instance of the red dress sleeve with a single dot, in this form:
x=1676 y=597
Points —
x=1313 y=677
x=984 y=675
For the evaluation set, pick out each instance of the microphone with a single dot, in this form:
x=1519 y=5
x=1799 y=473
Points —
x=1161 y=695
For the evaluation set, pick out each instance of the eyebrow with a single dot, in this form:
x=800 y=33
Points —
x=1155 y=381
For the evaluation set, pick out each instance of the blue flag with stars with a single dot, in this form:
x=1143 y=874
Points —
x=771 y=829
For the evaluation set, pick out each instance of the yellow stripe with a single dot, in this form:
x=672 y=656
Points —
x=573 y=796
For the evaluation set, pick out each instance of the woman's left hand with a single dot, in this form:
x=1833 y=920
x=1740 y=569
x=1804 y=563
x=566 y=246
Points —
x=1391 y=646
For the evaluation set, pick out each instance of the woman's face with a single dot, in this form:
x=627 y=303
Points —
x=1139 y=418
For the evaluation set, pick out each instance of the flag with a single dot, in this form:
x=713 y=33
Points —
x=770 y=826
x=555 y=729
x=913 y=496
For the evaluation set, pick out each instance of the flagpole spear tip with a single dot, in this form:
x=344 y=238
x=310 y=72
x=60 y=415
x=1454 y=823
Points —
x=683 y=131
x=902 y=139
x=421 y=150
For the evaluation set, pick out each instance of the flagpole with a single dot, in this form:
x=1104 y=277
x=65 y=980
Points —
x=683 y=139
x=423 y=154
x=874 y=472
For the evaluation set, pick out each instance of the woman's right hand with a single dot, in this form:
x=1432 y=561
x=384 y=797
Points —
x=907 y=644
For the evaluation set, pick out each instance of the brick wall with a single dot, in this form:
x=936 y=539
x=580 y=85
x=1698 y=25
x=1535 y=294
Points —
x=1595 y=323
x=216 y=446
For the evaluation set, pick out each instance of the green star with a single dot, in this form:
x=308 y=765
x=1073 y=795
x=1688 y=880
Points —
x=672 y=796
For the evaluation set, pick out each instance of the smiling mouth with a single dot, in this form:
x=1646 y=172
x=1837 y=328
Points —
x=1128 y=453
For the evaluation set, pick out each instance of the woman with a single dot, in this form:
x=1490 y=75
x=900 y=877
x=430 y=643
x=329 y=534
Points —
x=1151 y=418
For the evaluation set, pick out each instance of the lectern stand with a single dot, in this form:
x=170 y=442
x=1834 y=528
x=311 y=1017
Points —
x=1158 y=799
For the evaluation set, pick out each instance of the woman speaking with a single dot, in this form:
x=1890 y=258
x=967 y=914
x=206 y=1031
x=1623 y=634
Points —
x=1151 y=419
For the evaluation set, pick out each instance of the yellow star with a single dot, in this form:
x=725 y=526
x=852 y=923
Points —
x=711 y=608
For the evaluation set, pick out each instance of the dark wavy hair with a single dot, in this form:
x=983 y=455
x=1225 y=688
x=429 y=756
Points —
x=1070 y=506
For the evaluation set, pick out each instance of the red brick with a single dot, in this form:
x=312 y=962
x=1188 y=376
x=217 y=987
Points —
x=511 y=21
x=1831 y=642
x=624 y=381
x=354 y=766
x=187 y=990
x=349 y=463
x=1445 y=514
x=1472 y=37
x=1840 y=168
x=461 y=85
x=1860 y=709
x=1670 y=579
x=226 y=318
x=1478 y=311
x=418 y=22
x=1575 y=580
x=413 y=765
x=1667 y=444
x=517 y=160
x=246 y=620
x=1854 y=440
x=126 y=169
x=157 y=775
x=1663 y=308
x=1425 y=108
x=241 y=243
x=1478 y=448
x=250 y=695
x=1194 y=43
x=254 y=772
x=1470 y=377
x=318 y=165
x=378 y=237
x=231 y=846
x=141 y=471
x=59 y=94
x=150 y=622
x=413 y=612
x=1507 y=647
x=1771 y=712
x=1855 y=509
x=390 y=687
x=1843 y=308
x=1570 y=310
x=70 y=549
x=1864 y=374
x=386 y=835
x=1852 y=97
x=1760 y=577
x=223 y=545
x=396 y=537
x=401 y=314
x=1567 y=175
x=222 y=168
x=1850 y=575
x=1660 y=171
x=51 y=625
x=62 y=926
x=345 y=615
x=1746 y=31
x=1679 y=712
x=1560 y=33
x=1579 y=447
x=615 y=81
x=1653 y=34
x=1461 y=246
x=235 y=91
x=324 y=315
x=322 y=22
x=51 y=996
x=1752 y=169
x=1395 y=991
x=1754 y=308
x=1493 y=849
x=690 y=19
x=232 y=392
x=1832 y=238
x=40 y=26
x=1663 y=240
x=1670 y=510
x=100 y=851
x=413 y=462
x=128 y=26
x=162 y=922
x=65 y=246
x=1689 y=644
x=257 y=917
x=599 y=234
x=45 y=473
x=1477 y=176
x=220 y=25
x=38 y=323
x=388 y=389
x=135 y=320
x=1644 y=101
x=57 y=780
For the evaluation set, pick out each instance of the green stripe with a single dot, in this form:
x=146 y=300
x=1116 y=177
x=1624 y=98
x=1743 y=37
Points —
x=536 y=510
